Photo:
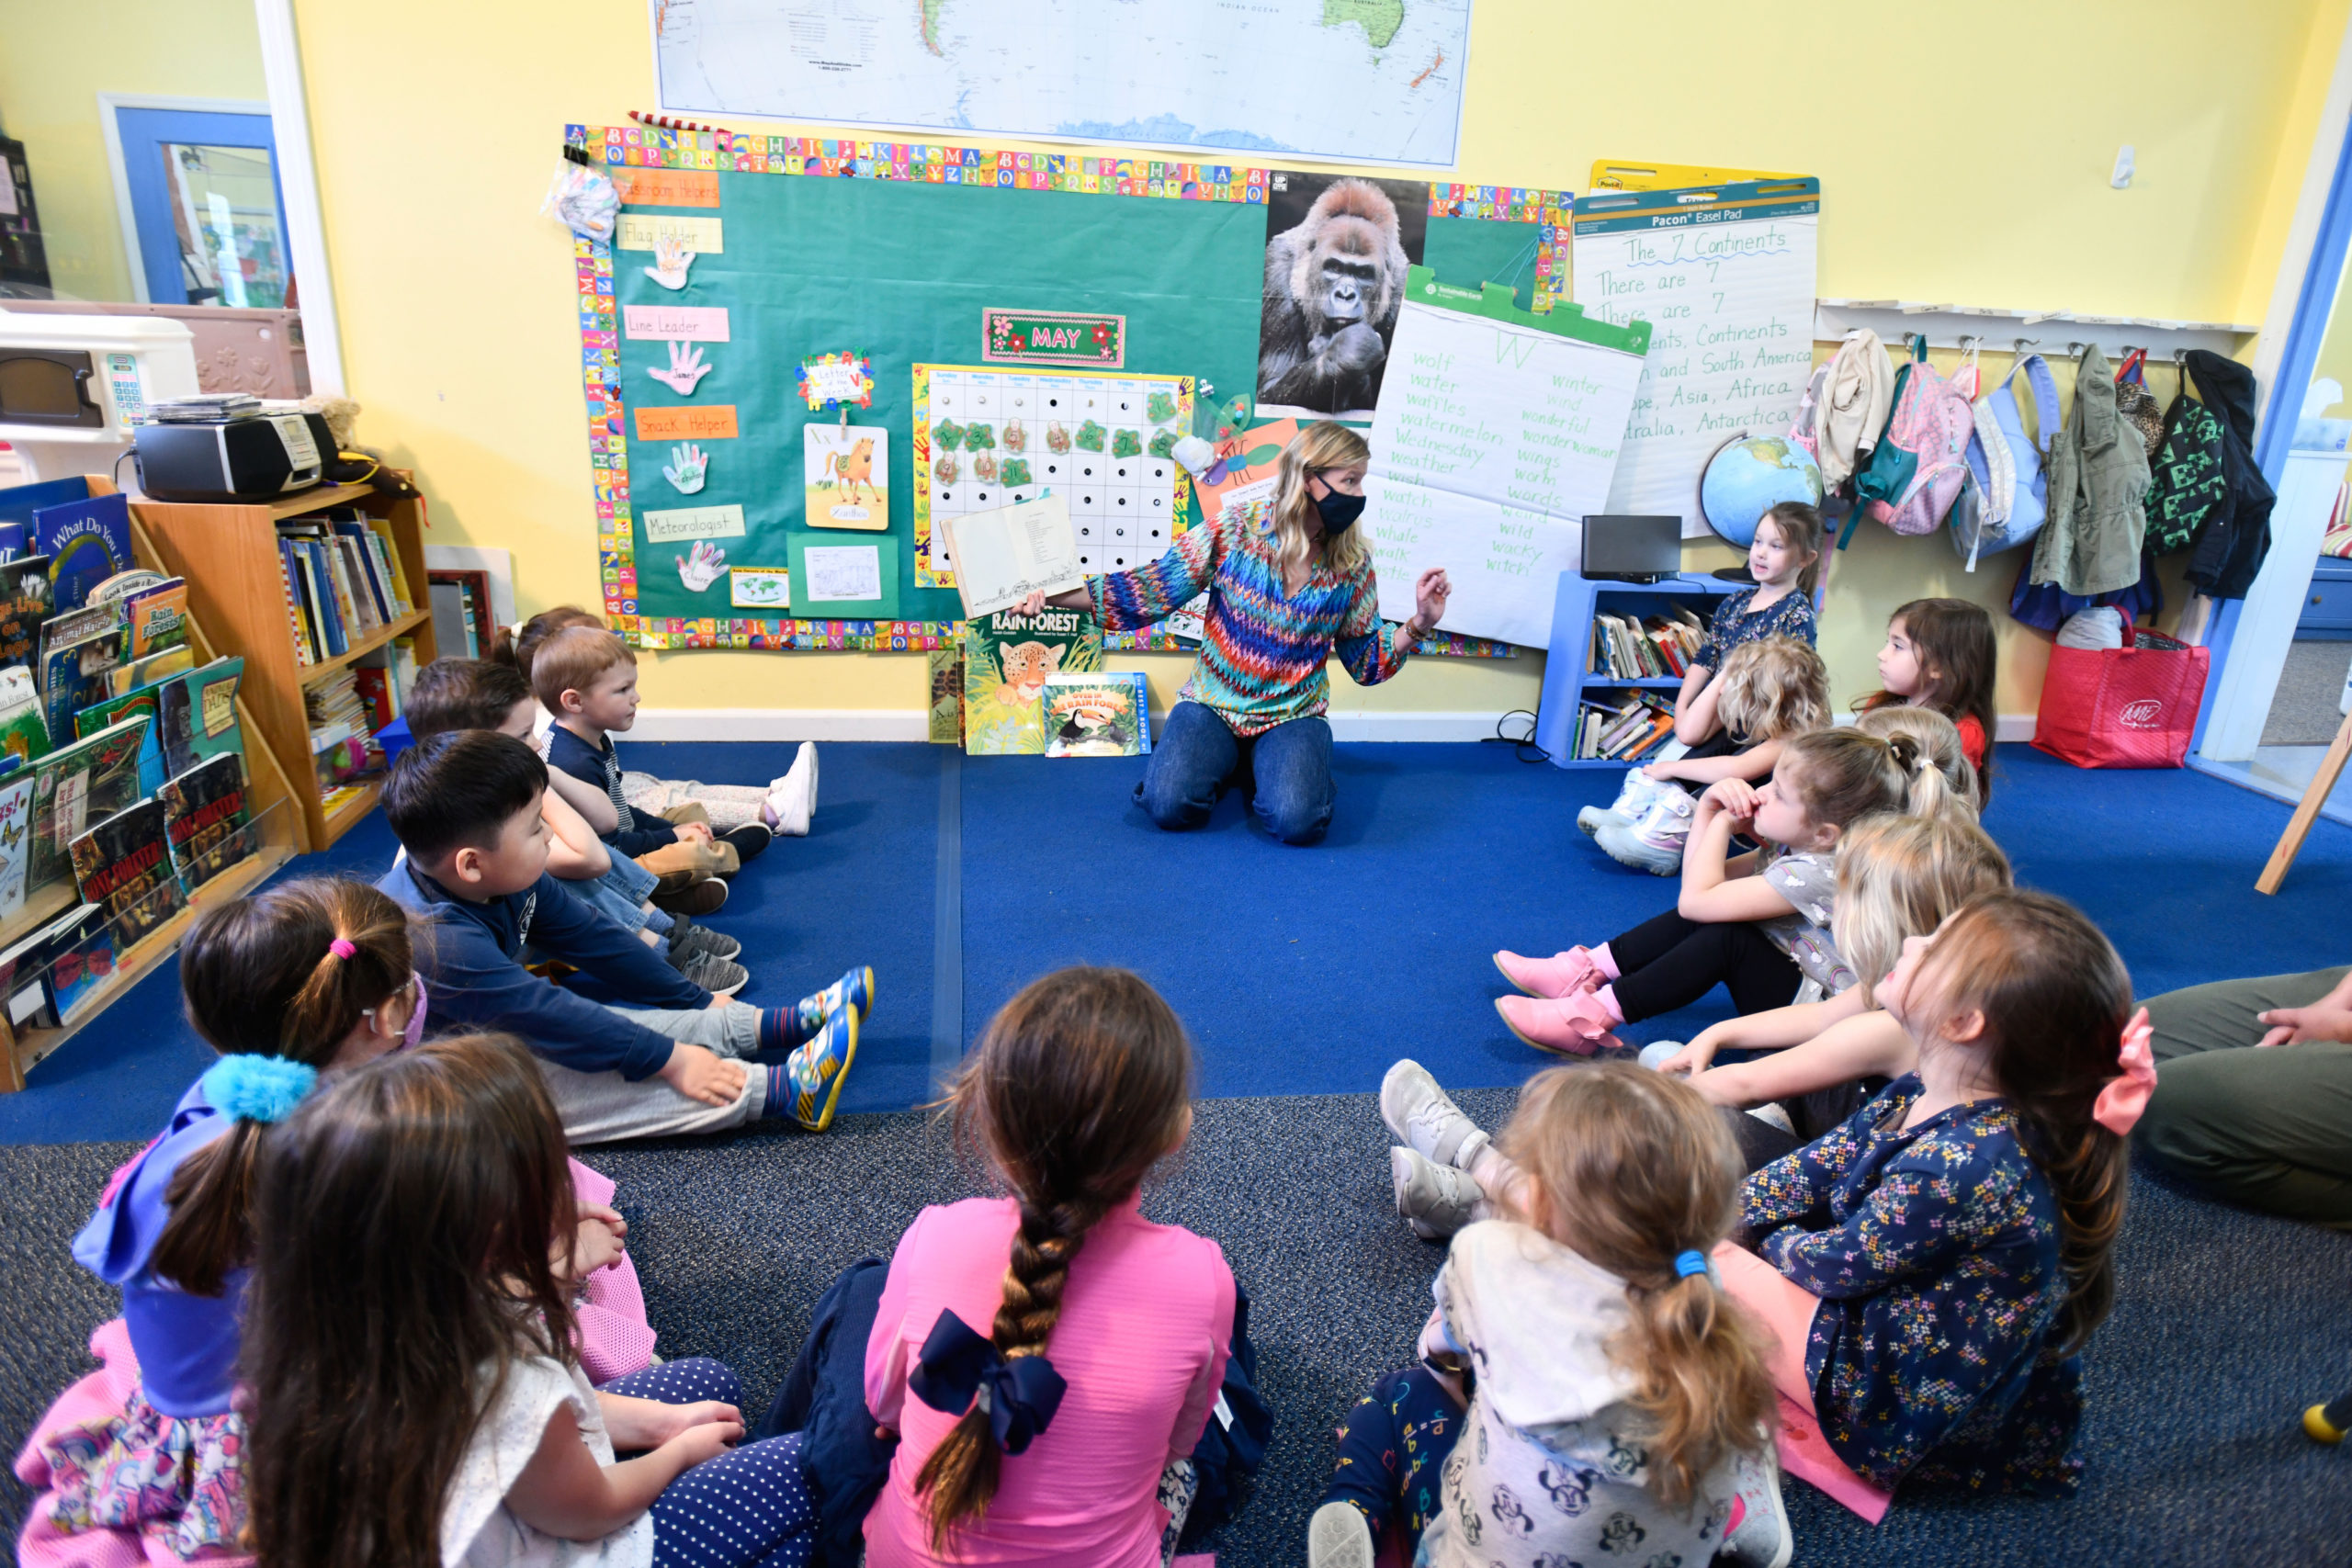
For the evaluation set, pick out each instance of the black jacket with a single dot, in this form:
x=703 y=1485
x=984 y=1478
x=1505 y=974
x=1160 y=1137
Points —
x=2229 y=548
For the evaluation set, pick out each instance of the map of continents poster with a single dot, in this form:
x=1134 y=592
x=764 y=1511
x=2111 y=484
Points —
x=1361 y=80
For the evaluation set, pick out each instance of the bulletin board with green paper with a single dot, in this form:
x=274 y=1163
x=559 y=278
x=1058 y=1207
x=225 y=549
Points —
x=892 y=254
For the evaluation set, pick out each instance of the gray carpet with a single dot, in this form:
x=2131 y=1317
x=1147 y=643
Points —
x=2229 y=1324
x=2303 y=710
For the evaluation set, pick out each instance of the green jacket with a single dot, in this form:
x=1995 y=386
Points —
x=2098 y=483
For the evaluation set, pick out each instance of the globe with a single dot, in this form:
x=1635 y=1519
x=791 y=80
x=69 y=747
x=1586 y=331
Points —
x=1750 y=475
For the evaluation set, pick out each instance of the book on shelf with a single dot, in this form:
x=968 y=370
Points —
x=52 y=976
x=25 y=604
x=307 y=651
x=158 y=618
x=145 y=701
x=124 y=865
x=461 y=610
x=86 y=541
x=15 y=835
x=79 y=674
x=205 y=815
x=75 y=786
x=388 y=553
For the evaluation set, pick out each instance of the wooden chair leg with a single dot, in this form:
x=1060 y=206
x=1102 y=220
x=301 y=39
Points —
x=2298 y=827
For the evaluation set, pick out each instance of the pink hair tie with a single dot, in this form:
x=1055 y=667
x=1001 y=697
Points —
x=2119 y=1104
x=342 y=948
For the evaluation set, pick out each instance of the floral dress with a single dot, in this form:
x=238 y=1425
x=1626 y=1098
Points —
x=1935 y=1251
x=1789 y=616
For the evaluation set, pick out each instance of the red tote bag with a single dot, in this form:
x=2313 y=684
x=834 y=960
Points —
x=2128 y=708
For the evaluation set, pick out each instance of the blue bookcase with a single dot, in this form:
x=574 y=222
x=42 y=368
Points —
x=1568 y=677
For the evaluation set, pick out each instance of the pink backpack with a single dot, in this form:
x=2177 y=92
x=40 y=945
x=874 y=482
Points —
x=1922 y=461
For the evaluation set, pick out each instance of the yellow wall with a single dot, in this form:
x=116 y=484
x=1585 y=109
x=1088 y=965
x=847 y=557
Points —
x=1981 y=182
x=56 y=58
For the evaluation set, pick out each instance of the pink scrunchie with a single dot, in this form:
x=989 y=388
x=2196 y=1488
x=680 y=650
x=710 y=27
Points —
x=342 y=948
x=2119 y=1104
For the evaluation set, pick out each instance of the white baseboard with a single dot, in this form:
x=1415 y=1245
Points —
x=781 y=724
x=913 y=724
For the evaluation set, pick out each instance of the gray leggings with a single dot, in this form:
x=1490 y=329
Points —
x=604 y=1108
x=2269 y=1129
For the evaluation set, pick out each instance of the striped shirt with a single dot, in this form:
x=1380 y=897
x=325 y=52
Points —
x=1263 y=649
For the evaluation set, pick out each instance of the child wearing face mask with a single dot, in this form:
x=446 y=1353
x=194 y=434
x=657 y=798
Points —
x=1758 y=925
x=309 y=979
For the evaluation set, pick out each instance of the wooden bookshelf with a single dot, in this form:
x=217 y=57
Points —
x=276 y=828
x=229 y=555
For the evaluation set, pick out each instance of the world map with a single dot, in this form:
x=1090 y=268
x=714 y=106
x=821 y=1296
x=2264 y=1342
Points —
x=1360 y=81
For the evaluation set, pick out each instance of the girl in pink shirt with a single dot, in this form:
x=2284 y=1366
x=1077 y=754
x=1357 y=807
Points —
x=1064 y=1435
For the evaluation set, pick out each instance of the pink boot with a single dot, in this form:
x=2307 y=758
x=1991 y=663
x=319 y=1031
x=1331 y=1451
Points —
x=1562 y=975
x=1572 y=1025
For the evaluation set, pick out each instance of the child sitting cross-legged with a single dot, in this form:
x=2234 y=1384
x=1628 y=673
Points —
x=1758 y=925
x=587 y=678
x=1770 y=690
x=414 y=1397
x=1980 y=1196
x=1050 y=1358
x=466 y=806
x=473 y=693
x=1617 y=1408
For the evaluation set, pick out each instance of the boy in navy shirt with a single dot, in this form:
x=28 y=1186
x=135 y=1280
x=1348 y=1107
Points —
x=466 y=806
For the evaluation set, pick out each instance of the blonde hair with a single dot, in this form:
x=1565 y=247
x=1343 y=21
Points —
x=1773 y=688
x=1319 y=449
x=1899 y=877
x=1840 y=776
x=1939 y=740
x=1631 y=1168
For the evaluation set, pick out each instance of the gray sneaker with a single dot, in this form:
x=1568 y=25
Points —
x=1593 y=818
x=688 y=939
x=1336 y=1536
x=1627 y=847
x=1435 y=1200
x=717 y=975
x=1415 y=1109
x=1759 y=1535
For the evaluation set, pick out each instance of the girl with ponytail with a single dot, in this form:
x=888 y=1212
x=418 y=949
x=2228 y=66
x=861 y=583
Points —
x=1620 y=1404
x=1062 y=1352
x=1980 y=1193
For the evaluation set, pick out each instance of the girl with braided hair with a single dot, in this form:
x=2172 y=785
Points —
x=1063 y=1353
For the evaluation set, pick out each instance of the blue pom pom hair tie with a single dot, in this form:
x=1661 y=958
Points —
x=1689 y=1263
x=258 y=1088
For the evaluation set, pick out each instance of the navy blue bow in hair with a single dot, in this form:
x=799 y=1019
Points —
x=1019 y=1393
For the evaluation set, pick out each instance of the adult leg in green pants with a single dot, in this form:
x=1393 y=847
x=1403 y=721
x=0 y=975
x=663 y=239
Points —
x=2268 y=1128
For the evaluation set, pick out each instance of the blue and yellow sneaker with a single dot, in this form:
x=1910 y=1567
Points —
x=854 y=991
x=816 y=1070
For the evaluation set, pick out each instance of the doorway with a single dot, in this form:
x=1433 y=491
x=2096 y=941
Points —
x=204 y=220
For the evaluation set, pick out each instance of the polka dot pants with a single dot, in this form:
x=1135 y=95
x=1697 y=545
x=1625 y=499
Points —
x=747 y=1509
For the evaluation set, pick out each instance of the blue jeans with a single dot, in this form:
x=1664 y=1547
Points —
x=619 y=895
x=1288 y=769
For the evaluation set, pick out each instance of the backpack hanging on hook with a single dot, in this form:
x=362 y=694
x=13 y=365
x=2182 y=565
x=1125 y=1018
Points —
x=1920 y=464
x=2137 y=404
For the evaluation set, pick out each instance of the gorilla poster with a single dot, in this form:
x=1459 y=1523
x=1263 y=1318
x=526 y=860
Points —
x=1337 y=248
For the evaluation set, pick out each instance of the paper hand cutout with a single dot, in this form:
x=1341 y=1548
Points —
x=702 y=566
x=686 y=369
x=687 y=468
x=670 y=260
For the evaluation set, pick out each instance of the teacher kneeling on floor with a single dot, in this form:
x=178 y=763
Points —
x=1287 y=584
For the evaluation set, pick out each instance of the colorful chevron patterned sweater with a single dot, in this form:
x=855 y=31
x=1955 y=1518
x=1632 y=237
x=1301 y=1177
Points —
x=1262 y=656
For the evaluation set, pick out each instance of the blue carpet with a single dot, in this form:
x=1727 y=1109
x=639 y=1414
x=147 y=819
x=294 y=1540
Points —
x=1298 y=970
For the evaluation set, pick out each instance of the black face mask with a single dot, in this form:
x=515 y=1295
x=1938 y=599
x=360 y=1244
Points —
x=1340 y=511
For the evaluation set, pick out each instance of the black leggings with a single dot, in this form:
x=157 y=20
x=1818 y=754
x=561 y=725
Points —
x=1670 y=962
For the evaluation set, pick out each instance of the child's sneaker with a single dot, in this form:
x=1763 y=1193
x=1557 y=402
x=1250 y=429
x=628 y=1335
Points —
x=1336 y=1536
x=1653 y=844
x=792 y=794
x=1435 y=1200
x=748 y=841
x=854 y=992
x=688 y=936
x=1416 y=1109
x=1633 y=797
x=1575 y=1026
x=716 y=976
x=704 y=897
x=1758 y=1534
x=817 y=1070
x=1562 y=975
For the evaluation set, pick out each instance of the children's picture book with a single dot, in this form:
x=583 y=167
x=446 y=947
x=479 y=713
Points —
x=24 y=733
x=947 y=696
x=76 y=625
x=1106 y=714
x=87 y=541
x=18 y=503
x=77 y=675
x=75 y=786
x=24 y=604
x=80 y=953
x=125 y=585
x=153 y=669
x=204 y=818
x=158 y=618
x=198 y=713
x=147 y=700
x=1008 y=657
x=124 y=865
x=16 y=834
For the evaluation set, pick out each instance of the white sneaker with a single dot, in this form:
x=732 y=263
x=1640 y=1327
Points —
x=1336 y=1536
x=1655 y=843
x=1759 y=1535
x=1415 y=1109
x=1638 y=790
x=793 y=795
x=1772 y=1113
x=1435 y=1200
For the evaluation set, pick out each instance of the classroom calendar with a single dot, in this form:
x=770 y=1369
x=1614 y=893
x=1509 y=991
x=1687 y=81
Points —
x=988 y=438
